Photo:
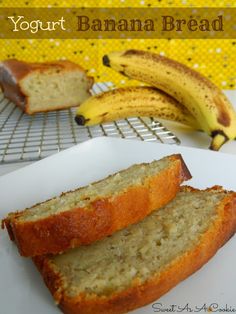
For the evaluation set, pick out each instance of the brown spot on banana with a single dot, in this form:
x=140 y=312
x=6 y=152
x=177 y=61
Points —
x=223 y=116
x=133 y=52
x=123 y=73
x=104 y=114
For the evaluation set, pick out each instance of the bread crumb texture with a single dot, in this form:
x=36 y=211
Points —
x=139 y=251
x=53 y=89
x=111 y=186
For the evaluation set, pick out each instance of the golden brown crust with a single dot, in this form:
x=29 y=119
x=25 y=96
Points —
x=19 y=69
x=141 y=294
x=105 y=215
x=12 y=71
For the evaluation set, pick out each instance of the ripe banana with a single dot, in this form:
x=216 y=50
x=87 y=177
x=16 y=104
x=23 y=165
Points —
x=202 y=98
x=132 y=101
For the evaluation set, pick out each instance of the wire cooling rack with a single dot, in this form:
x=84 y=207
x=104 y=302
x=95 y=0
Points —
x=29 y=138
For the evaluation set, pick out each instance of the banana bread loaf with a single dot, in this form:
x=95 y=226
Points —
x=95 y=211
x=137 y=265
x=40 y=87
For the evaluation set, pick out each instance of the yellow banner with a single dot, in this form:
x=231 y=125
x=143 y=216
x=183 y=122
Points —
x=118 y=23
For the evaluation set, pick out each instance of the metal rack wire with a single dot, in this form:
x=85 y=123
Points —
x=29 y=138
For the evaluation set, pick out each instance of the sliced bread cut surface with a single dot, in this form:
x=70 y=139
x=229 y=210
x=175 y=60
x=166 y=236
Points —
x=41 y=87
x=92 y=212
x=137 y=265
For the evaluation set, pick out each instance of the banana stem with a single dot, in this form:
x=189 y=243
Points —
x=217 y=141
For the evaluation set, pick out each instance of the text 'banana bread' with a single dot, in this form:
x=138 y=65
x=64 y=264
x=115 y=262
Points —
x=41 y=87
x=97 y=210
x=137 y=265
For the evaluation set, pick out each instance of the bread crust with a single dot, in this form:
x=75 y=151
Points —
x=140 y=294
x=82 y=226
x=12 y=71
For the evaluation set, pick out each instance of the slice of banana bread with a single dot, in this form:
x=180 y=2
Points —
x=137 y=265
x=40 y=87
x=92 y=212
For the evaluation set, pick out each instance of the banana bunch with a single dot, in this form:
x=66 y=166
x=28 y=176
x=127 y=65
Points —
x=132 y=101
x=208 y=105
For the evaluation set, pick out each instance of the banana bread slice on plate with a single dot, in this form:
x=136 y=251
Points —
x=137 y=265
x=95 y=211
x=41 y=87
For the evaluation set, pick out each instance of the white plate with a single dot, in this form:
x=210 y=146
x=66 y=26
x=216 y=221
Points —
x=21 y=288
